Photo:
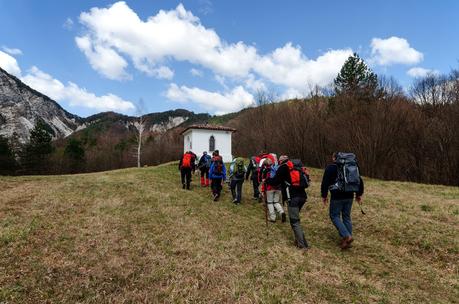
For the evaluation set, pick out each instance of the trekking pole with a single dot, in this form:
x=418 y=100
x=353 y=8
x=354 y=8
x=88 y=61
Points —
x=266 y=208
x=361 y=209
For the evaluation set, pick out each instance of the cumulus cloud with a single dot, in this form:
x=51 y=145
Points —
x=72 y=93
x=9 y=64
x=421 y=72
x=220 y=102
x=179 y=35
x=68 y=24
x=196 y=72
x=394 y=50
x=12 y=51
x=103 y=59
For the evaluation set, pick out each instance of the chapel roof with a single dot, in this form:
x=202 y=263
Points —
x=209 y=127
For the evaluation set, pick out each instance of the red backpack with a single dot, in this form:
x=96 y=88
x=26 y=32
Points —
x=186 y=160
x=218 y=164
x=299 y=175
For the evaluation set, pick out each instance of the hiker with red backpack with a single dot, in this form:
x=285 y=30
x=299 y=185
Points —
x=186 y=166
x=217 y=175
x=342 y=179
x=294 y=179
x=204 y=167
x=271 y=192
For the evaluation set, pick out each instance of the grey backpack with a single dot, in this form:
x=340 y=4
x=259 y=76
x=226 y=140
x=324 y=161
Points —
x=348 y=176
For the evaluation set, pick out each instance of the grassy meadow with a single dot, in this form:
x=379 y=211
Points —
x=134 y=236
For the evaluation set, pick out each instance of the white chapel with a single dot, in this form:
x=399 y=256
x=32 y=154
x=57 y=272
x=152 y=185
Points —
x=200 y=138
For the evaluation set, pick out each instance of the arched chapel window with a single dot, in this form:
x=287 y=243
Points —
x=212 y=144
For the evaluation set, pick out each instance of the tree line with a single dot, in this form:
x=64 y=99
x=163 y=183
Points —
x=396 y=134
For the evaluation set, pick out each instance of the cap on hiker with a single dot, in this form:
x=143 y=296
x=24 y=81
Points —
x=283 y=159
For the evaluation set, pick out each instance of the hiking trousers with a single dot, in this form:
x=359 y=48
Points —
x=340 y=215
x=294 y=208
x=273 y=200
x=236 y=189
x=216 y=185
x=186 y=177
x=256 y=185
x=204 y=172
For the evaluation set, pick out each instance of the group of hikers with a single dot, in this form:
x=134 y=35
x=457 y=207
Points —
x=277 y=181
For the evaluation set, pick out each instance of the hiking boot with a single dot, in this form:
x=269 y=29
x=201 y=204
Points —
x=183 y=186
x=284 y=217
x=215 y=197
x=346 y=242
x=235 y=201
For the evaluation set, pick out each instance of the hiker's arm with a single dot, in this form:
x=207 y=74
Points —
x=180 y=164
x=359 y=194
x=249 y=169
x=325 y=183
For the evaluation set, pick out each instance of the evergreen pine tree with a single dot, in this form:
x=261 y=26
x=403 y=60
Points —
x=7 y=160
x=37 y=151
x=356 y=79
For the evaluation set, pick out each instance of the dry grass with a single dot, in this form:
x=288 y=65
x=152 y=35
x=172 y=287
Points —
x=134 y=236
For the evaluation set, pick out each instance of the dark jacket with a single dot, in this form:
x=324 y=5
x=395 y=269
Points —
x=329 y=178
x=203 y=161
x=252 y=170
x=282 y=176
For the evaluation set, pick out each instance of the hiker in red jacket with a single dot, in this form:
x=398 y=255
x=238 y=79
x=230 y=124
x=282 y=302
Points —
x=186 y=166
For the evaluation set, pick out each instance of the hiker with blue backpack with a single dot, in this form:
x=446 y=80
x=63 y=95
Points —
x=237 y=173
x=204 y=166
x=217 y=175
x=342 y=179
x=294 y=179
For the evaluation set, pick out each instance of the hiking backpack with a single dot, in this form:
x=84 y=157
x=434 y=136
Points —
x=239 y=168
x=186 y=160
x=218 y=164
x=348 y=175
x=208 y=161
x=299 y=175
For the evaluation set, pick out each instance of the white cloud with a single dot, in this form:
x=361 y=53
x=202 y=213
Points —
x=196 y=72
x=221 y=103
x=291 y=94
x=394 y=50
x=179 y=35
x=255 y=84
x=68 y=24
x=421 y=72
x=73 y=94
x=12 y=51
x=289 y=67
x=103 y=59
x=9 y=64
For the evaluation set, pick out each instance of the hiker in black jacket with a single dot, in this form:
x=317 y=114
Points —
x=252 y=173
x=340 y=203
x=297 y=199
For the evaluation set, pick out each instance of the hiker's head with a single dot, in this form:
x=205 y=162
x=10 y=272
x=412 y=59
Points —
x=334 y=156
x=204 y=153
x=283 y=159
x=217 y=152
x=267 y=162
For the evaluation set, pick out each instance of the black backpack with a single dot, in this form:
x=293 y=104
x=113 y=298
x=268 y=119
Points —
x=348 y=175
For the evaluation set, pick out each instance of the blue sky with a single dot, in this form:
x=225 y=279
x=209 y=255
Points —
x=213 y=56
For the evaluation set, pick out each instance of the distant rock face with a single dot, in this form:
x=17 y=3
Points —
x=171 y=123
x=21 y=106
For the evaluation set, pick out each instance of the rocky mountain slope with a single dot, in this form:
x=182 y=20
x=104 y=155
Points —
x=21 y=106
